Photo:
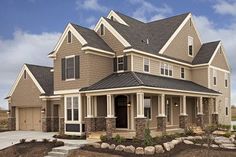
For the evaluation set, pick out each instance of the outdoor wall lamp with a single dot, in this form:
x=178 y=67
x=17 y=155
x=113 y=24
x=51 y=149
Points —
x=43 y=110
x=9 y=111
x=129 y=104
x=176 y=105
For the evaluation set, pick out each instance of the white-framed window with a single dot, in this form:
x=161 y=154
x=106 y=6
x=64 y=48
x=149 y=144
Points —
x=25 y=74
x=102 y=31
x=166 y=69
x=146 y=65
x=190 y=46
x=214 y=77
x=72 y=108
x=182 y=73
x=120 y=63
x=70 y=67
x=226 y=106
x=147 y=107
x=226 y=80
x=69 y=37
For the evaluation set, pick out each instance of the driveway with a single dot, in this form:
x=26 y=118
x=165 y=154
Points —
x=13 y=137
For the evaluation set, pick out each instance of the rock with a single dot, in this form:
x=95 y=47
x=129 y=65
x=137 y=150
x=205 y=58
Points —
x=198 y=137
x=217 y=132
x=222 y=140
x=150 y=150
x=95 y=145
x=105 y=145
x=180 y=139
x=139 y=151
x=175 y=142
x=112 y=146
x=188 y=142
x=189 y=138
x=205 y=145
x=129 y=149
x=167 y=146
x=214 y=146
x=159 y=149
x=197 y=144
x=226 y=145
x=120 y=148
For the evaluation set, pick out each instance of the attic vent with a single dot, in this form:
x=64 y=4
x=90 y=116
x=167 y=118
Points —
x=145 y=41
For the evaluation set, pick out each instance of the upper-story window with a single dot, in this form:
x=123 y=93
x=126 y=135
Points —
x=120 y=63
x=146 y=65
x=182 y=73
x=69 y=37
x=214 y=77
x=72 y=108
x=147 y=107
x=102 y=29
x=112 y=18
x=25 y=74
x=70 y=67
x=226 y=80
x=166 y=69
x=226 y=106
x=190 y=46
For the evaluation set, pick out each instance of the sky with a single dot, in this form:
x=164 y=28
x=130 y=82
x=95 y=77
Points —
x=29 y=29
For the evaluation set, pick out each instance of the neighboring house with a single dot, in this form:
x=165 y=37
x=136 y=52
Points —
x=3 y=114
x=122 y=73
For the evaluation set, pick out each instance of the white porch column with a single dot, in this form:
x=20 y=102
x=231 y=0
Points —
x=94 y=100
x=200 y=106
x=140 y=105
x=215 y=108
x=161 y=106
x=110 y=106
x=183 y=109
x=89 y=107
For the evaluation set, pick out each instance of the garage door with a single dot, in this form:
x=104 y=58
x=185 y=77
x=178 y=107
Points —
x=30 y=119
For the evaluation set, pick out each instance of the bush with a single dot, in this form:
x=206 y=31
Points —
x=103 y=138
x=58 y=143
x=119 y=139
x=45 y=140
x=210 y=129
x=22 y=140
x=234 y=127
x=33 y=141
x=189 y=131
x=147 y=137
x=228 y=134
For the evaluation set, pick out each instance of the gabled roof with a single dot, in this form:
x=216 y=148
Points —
x=135 y=79
x=205 y=53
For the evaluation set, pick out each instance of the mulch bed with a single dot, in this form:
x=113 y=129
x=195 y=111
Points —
x=70 y=137
x=29 y=149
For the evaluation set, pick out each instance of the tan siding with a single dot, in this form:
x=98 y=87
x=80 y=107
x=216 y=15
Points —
x=138 y=63
x=179 y=46
x=219 y=61
x=200 y=76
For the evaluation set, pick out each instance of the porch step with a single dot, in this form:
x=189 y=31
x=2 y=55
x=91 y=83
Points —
x=62 y=151
x=57 y=154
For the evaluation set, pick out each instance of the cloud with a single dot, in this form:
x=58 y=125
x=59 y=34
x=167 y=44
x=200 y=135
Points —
x=23 y=48
x=146 y=11
x=224 y=7
x=91 y=5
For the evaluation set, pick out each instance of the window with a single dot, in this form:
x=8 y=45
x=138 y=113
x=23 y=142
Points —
x=102 y=29
x=182 y=73
x=226 y=80
x=190 y=46
x=146 y=63
x=226 y=111
x=25 y=74
x=226 y=106
x=147 y=107
x=69 y=37
x=166 y=70
x=70 y=68
x=214 y=77
x=112 y=18
x=72 y=108
x=120 y=63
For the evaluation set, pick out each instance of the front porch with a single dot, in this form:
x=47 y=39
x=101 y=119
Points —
x=129 y=112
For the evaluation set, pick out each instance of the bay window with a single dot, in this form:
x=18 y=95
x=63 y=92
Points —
x=166 y=69
x=72 y=108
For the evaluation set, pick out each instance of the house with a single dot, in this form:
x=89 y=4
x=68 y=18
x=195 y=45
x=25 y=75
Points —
x=121 y=74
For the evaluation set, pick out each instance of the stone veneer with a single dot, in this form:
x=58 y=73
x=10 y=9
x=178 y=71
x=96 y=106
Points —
x=110 y=126
x=215 y=119
x=140 y=127
x=100 y=123
x=61 y=125
x=90 y=124
x=12 y=123
x=183 y=121
x=54 y=124
x=161 y=123
x=200 y=120
x=46 y=124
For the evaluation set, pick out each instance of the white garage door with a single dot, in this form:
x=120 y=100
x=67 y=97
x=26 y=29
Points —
x=30 y=119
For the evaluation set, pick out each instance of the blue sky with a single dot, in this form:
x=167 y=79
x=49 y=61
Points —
x=30 y=28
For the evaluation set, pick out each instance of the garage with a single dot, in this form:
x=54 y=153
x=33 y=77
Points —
x=30 y=119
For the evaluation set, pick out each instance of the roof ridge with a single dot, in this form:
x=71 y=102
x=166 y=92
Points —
x=42 y=66
x=137 y=78
x=73 y=24
x=217 y=41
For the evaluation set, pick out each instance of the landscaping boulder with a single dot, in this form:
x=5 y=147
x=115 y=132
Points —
x=120 y=148
x=180 y=139
x=218 y=132
x=189 y=138
x=222 y=140
x=198 y=137
x=214 y=146
x=105 y=145
x=159 y=149
x=112 y=146
x=175 y=142
x=149 y=150
x=139 y=151
x=167 y=146
x=188 y=142
x=129 y=149
x=96 y=145
x=227 y=145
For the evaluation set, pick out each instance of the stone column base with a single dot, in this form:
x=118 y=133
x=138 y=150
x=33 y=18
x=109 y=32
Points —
x=214 y=119
x=12 y=123
x=90 y=125
x=200 y=120
x=110 y=126
x=54 y=124
x=100 y=124
x=140 y=127
x=46 y=124
x=61 y=126
x=161 y=124
x=183 y=121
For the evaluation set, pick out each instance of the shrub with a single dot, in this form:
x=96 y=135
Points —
x=189 y=131
x=103 y=138
x=227 y=127
x=148 y=140
x=119 y=139
x=22 y=140
x=227 y=134
x=45 y=140
x=33 y=140
x=234 y=127
x=58 y=143
x=210 y=129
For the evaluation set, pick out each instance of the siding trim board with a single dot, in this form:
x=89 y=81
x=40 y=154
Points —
x=117 y=17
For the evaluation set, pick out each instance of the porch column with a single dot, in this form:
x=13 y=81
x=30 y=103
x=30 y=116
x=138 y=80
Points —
x=183 y=117
x=110 y=119
x=140 y=119
x=214 y=115
x=161 y=117
x=12 y=119
x=89 y=120
x=200 y=112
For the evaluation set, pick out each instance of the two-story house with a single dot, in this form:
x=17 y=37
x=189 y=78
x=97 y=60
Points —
x=121 y=74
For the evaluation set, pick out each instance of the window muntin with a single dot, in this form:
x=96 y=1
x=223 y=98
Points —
x=102 y=29
x=226 y=80
x=72 y=108
x=214 y=77
x=120 y=63
x=146 y=65
x=69 y=108
x=147 y=107
x=170 y=70
x=70 y=68
x=190 y=46
x=75 y=109
x=182 y=73
x=162 y=69
x=166 y=70
x=69 y=37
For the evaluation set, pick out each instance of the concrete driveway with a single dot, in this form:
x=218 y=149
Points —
x=13 y=137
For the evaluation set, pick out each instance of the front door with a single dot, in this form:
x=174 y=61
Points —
x=121 y=111
x=168 y=111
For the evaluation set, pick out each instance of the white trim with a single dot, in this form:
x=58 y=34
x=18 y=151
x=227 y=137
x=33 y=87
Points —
x=25 y=68
x=132 y=62
x=112 y=30
x=70 y=91
x=117 y=63
x=215 y=52
x=50 y=97
x=191 y=43
x=99 y=54
x=174 y=34
x=99 y=50
x=117 y=17
x=219 y=69
x=74 y=32
x=209 y=76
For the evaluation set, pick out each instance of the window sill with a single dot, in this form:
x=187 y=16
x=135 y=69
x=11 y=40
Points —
x=70 y=79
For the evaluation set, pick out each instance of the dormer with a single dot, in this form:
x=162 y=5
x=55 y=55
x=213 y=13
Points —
x=115 y=17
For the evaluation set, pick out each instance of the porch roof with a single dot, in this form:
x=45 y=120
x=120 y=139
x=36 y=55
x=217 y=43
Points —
x=136 y=79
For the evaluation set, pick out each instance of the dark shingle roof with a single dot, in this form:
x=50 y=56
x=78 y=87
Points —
x=129 y=20
x=92 y=38
x=132 y=79
x=44 y=76
x=205 y=53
